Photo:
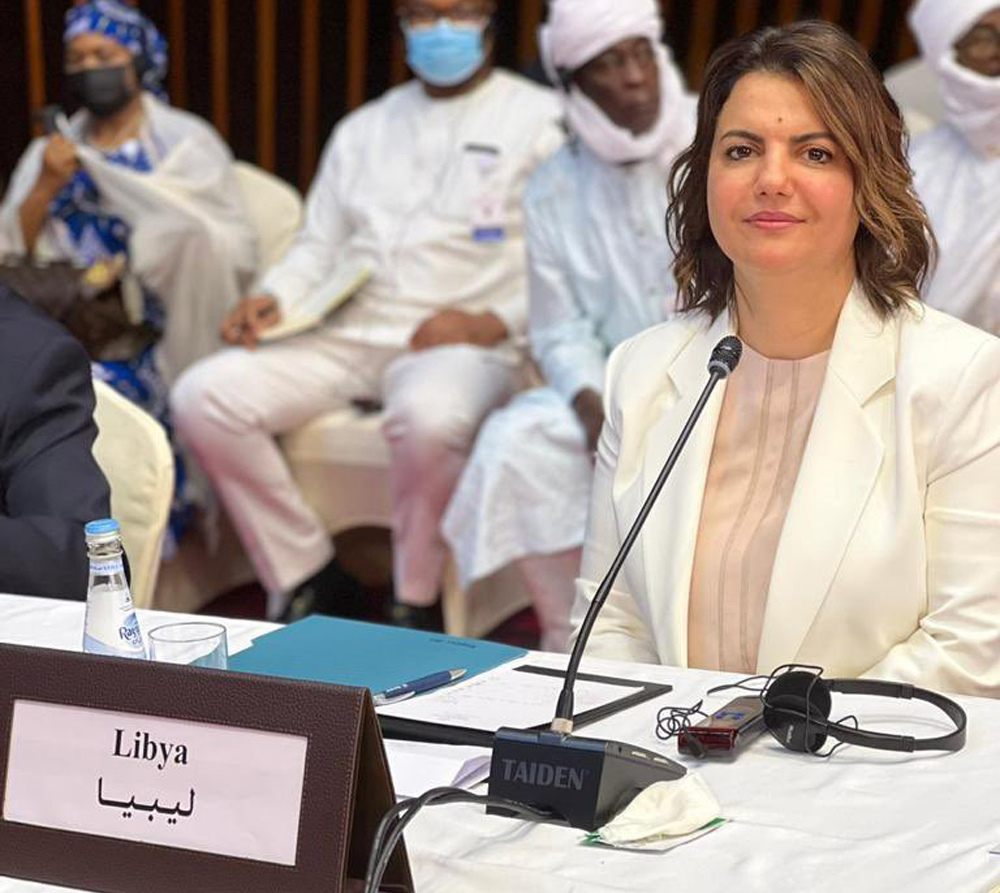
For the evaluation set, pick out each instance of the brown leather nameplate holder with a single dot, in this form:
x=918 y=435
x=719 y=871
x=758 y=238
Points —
x=157 y=726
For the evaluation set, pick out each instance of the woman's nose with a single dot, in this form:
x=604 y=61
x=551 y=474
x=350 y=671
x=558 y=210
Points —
x=774 y=174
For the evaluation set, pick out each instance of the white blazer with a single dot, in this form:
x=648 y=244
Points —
x=888 y=564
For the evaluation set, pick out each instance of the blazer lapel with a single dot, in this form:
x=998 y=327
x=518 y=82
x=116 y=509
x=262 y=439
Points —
x=672 y=526
x=841 y=462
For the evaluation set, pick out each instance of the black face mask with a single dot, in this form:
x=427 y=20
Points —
x=101 y=91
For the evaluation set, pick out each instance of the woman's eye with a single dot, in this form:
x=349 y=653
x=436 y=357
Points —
x=737 y=152
x=820 y=156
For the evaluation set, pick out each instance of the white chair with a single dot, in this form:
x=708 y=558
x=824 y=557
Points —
x=274 y=208
x=914 y=86
x=134 y=454
x=340 y=460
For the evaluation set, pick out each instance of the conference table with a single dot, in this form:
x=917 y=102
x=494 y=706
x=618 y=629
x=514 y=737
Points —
x=861 y=821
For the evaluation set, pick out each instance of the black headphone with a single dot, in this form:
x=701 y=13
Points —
x=797 y=707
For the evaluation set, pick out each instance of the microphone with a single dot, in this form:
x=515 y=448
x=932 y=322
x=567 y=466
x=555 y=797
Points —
x=586 y=781
x=48 y=117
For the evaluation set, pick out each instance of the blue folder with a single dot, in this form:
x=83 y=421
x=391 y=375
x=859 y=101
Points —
x=348 y=652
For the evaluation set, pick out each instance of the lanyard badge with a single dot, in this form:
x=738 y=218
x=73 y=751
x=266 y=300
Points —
x=490 y=201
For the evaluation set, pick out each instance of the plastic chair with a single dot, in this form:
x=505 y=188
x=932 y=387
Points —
x=340 y=461
x=274 y=208
x=133 y=452
x=914 y=86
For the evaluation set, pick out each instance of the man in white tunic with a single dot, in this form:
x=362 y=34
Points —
x=957 y=165
x=422 y=188
x=599 y=271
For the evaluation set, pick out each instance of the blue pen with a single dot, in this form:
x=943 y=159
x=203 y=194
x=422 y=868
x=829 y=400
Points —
x=424 y=683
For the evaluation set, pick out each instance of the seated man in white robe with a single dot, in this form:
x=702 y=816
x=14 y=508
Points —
x=420 y=188
x=599 y=271
x=130 y=180
x=956 y=166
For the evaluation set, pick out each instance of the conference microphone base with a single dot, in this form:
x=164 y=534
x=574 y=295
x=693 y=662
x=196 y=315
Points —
x=584 y=782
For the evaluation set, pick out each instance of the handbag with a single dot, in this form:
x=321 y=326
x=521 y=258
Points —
x=101 y=306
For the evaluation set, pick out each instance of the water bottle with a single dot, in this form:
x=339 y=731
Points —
x=110 y=626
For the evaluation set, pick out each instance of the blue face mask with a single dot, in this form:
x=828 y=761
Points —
x=445 y=54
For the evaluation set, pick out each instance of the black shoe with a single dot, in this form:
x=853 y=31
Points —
x=427 y=618
x=331 y=590
x=300 y=605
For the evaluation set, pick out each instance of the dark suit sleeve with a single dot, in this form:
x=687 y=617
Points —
x=51 y=484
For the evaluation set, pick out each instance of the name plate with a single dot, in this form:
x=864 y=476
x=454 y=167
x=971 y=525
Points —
x=192 y=785
x=131 y=776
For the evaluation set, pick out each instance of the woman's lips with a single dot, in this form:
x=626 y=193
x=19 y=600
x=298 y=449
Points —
x=773 y=220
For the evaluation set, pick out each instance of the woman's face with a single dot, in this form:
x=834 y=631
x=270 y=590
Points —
x=780 y=189
x=95 y=51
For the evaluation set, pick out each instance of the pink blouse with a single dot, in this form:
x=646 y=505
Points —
x=766 y=416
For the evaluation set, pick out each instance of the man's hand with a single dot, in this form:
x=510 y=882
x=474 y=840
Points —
x=589 y=409
x=59 y=163
x=252 y=316
x=459 y=327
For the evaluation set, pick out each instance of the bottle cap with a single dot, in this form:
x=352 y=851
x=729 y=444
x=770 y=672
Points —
x=105 y=527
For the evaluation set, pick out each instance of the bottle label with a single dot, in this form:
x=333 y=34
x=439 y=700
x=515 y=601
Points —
x=128 y=633
x=93 y=646
x=104 y=567
x=110 y=625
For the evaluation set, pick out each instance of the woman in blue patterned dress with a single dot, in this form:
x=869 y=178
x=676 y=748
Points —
x=130 y=180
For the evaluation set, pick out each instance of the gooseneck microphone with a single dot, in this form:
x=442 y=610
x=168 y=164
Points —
x=586 y=781
x=724 y=359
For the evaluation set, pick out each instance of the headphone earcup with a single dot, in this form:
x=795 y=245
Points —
x=788 y=703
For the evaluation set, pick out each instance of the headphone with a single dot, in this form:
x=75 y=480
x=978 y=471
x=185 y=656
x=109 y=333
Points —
x=797 y=707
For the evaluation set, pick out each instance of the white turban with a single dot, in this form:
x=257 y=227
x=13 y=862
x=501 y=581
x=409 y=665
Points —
x=972 y=100
x=580 y=30
x=937 y=24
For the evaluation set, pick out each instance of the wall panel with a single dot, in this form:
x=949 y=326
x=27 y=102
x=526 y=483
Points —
x=274 y=78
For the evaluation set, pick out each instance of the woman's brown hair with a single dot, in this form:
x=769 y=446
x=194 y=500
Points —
x=894 y=245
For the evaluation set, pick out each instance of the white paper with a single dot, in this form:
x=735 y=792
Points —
x=417 y=767
x=191 y=785
x=474 y=771
x=503 y=697
x=313 y=308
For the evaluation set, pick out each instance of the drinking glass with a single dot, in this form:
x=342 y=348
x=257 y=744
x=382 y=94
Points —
x=193 y=642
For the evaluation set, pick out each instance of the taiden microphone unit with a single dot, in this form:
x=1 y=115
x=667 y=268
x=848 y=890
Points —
x=586 y=781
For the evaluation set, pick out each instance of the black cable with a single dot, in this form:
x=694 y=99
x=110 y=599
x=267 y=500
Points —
x=378 y=861
x=742 y=685
x=434 y=797
x=676 y=720
x=825 y=756
x=671 y=721
x=396 y=819
x=390 y=816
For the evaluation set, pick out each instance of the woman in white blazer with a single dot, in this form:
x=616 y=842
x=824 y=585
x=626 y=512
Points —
x=838 y=503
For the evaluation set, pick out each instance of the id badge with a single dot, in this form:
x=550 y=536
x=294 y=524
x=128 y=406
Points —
x=491 y=198
x=487 y=218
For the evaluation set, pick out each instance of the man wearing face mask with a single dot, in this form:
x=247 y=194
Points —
x=422 y=188
x=599 y=272
x=129 y=177
x=957 y=165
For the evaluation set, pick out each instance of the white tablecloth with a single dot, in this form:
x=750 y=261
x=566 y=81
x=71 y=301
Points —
x=860 y=822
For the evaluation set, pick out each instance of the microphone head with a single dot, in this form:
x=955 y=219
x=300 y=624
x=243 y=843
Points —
x=725 y=356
